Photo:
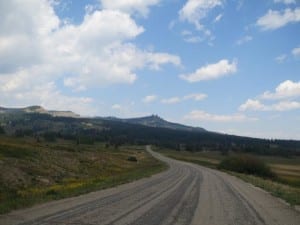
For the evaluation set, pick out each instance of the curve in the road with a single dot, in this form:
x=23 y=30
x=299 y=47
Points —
x=185 y=194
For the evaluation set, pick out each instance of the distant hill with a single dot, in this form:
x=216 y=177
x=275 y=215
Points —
x=156 y=121
x=39 y=109
x=41 y=124
x=149 y=121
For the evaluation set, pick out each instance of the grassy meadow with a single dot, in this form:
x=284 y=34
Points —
x=285 y=185
x=34 y=171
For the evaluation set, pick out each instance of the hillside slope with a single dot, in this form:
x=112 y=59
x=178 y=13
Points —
x=156 y=121
x=38 y=109
x=117 y=132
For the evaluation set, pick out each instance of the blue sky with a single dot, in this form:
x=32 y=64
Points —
x=230 y=66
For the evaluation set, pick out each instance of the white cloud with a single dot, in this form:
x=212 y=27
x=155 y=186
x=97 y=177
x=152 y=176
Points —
x=89 y=52
x=193 y=39
x=285 y=106
x=126 y=110
x=155 y=60
x=276 y=19
x=211 y=71
x=281 y=58
x=189 y=37
x=149 y=98
x=116 y=106
x=186 y=33
x=195 y=10
x=132 y=6
x=89 y=9
x=283 y=92
x=199 y=115
x=172 y=24
x=251 y=104
x=175 y=100
x=48 y=96
x=287 y=2
x=117 y=65
x=256 y=105
x=40 y=48
x=244 y=40
x=279 y=133
x=286 y=89
x=20 y=44
x=196 y=97
x=218 y=18
x=296 y=51
x=172 y=100
x=239 y=5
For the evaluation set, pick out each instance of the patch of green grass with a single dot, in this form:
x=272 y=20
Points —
x=292 y=181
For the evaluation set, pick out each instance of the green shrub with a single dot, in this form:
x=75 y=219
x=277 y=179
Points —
x=50 y=136
x=246 y=164
x=85 y=139
x=132 y=159
x=2 y=131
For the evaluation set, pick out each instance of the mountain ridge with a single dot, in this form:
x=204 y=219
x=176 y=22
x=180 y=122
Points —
x=137 y=131
x=39 y=109
x=156 y=121
x=149 y=121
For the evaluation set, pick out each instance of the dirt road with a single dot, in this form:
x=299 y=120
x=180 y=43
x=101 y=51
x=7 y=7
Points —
x=185 y=194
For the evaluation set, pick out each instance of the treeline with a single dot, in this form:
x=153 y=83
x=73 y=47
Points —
x=116 y=133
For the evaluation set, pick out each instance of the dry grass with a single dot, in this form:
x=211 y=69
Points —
x=33 y=172
x=209 y=159
x=286 y=192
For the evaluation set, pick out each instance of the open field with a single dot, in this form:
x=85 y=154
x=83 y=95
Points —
x=34 y=171
x=287 y=170
x=209 y=159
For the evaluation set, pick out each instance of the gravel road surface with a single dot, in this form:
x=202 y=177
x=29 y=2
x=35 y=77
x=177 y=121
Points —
x=183 y=195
